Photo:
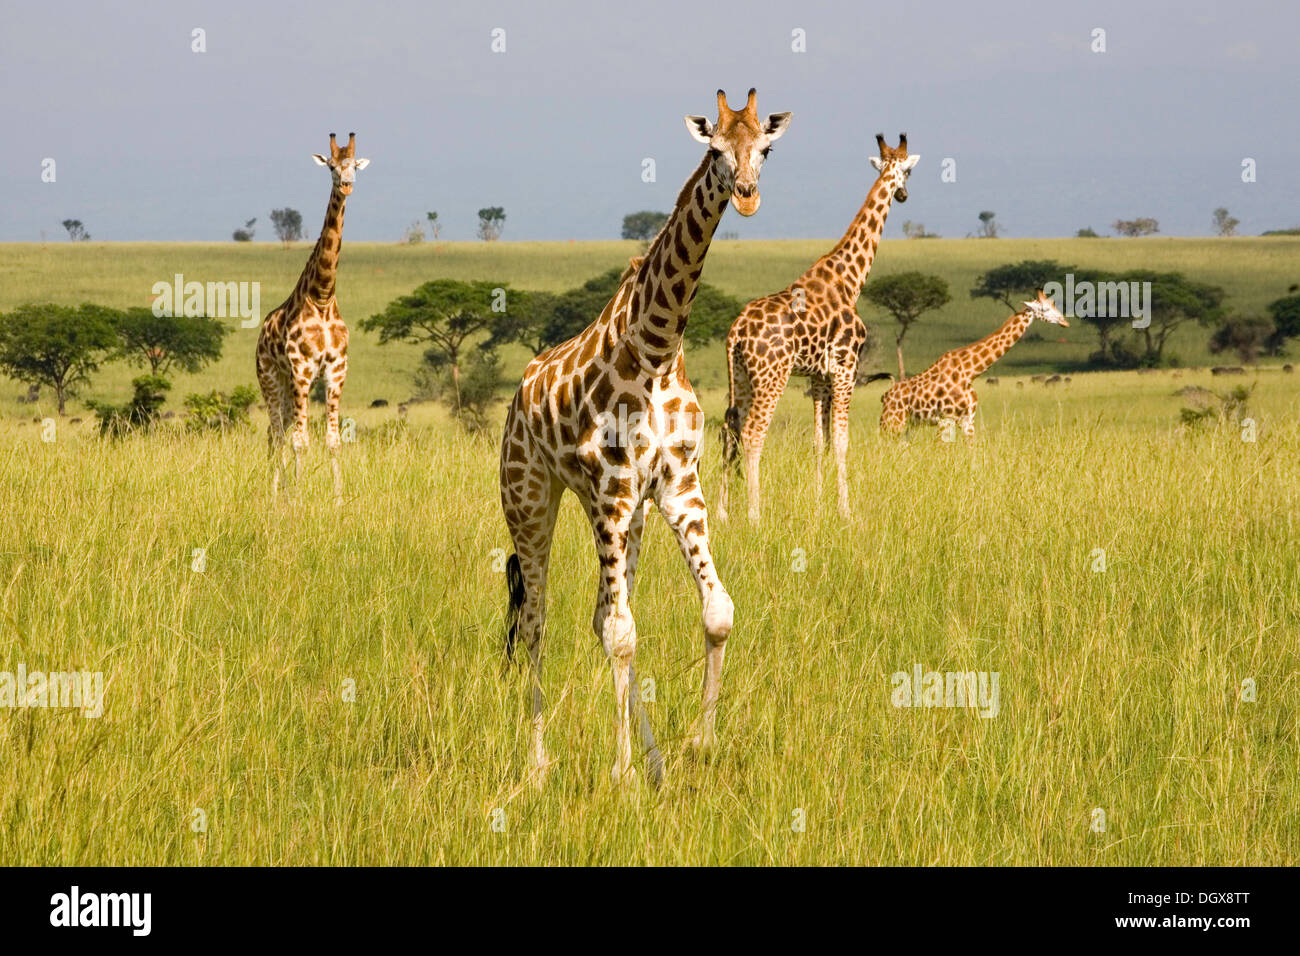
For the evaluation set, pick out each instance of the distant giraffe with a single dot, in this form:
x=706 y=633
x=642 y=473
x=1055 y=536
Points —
x=611 y=416
x=305 y=335
x=942 y=393
x=811 y=327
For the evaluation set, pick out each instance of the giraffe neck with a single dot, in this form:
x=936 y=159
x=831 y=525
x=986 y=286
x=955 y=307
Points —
x=317 y=281
x=855 y=252
x=665 y=286
x=998 y=343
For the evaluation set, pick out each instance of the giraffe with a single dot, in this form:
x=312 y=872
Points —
x=942 y=393
x=811 y=327
x=611 y=416
x=305 y=336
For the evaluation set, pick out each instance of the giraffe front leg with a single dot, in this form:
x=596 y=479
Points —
x=613 y=623
x=967 y=417
x=841 y=396
x=637 y=711
x=302 y=379
x=821 y=415
x=335 y=376
x=683 y=508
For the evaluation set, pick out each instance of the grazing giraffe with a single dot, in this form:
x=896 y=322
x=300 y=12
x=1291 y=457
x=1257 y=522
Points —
x=811 y=327
x=611 y=416
x=305 y=336
x=942 y=393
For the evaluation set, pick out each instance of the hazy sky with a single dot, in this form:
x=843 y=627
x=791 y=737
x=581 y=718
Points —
x=154 y=141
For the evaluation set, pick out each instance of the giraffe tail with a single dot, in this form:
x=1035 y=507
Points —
x=515 y=582
x=878 y=376
x=731 y=434
x=731 y=422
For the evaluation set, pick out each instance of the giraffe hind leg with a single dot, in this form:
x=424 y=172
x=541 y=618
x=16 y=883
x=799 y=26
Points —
x=530 y=499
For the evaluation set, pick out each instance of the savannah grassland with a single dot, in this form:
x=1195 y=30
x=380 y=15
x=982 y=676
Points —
x=1120 y=688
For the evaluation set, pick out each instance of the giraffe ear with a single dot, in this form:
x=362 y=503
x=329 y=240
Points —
x=700 y=128
x=876 y=161
x=776 y=126
x=911 y=161
x=320 y=160
x=362 y=163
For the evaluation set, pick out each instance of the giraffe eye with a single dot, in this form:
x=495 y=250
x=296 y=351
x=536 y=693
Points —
x=766 y=151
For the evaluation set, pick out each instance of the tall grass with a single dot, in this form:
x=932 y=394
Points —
x=1120 y=689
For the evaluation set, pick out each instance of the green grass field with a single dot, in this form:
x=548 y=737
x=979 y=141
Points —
x=1120 y=688
x=1253 y=271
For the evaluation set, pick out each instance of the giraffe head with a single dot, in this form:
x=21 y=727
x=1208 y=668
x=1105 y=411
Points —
x=343 y=163
x=895 y=165
x=738 y=143
x=1045 y=309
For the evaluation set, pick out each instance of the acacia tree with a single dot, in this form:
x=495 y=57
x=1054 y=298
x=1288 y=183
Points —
x=443 y=315
x=988 y=225
x=1286 y=323
x=1225 y=224
x=169 y=341
x=907 y=296
x=1144 y=226
x=56 y=345
x=491 y=223
x=644 y=224
x=288 y=225
x=1013 y=283
x=1175 y=300
x=76 y=231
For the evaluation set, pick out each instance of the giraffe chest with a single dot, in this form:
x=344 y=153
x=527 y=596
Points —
x=629 y=429
x=298 y=334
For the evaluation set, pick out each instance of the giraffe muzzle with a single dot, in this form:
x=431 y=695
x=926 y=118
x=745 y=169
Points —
x=900 y=194
x=746 y=199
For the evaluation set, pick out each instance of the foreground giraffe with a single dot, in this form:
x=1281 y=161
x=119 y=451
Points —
x=942 y=393
x=610 y=415
x=811 y=327
x=305 y=335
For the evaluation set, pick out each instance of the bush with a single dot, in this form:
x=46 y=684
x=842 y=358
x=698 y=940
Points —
x=218 y=410
x=139 y=414
x=470 y=395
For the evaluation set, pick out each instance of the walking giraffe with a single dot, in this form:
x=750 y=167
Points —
x=611 y=416
x=942 y=393
x=811 y=327
x=305 y=335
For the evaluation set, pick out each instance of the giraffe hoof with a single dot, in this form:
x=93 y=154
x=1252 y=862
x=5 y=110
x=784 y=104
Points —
x=655 y=768
x=623 y=775
x=703 y=746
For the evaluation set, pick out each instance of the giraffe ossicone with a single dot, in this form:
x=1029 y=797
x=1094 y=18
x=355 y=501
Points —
x=812 y=328
x=943 y=393
x=305 y=335
x=628 y=362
